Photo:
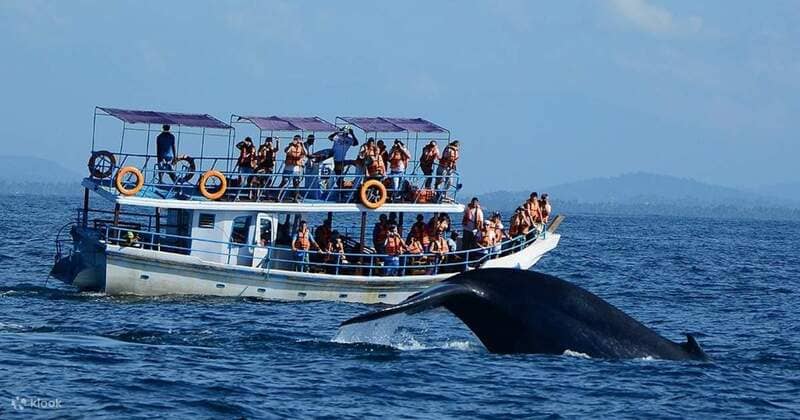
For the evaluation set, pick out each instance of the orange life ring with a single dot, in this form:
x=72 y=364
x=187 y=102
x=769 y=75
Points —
x=373 y=194
x=223 y=184
x=137 y=186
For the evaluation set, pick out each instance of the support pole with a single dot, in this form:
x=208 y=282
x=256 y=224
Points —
x=158 y=220
x=363 y=236
x=116 y=214
x=400 y=223
x=85 y=207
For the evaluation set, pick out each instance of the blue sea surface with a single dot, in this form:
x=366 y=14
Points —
x=733 y=283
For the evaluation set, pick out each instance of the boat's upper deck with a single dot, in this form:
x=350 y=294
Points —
x=189 y=167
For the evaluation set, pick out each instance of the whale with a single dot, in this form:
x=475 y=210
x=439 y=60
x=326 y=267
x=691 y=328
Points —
x=517 y=311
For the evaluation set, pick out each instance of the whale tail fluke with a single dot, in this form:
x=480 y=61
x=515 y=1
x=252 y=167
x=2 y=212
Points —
x=692 y=347
x=430 y=298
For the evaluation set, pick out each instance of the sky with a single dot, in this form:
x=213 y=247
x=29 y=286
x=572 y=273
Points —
x=539 y=93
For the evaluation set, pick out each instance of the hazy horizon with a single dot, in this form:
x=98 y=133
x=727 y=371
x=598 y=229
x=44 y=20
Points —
x=539 y=94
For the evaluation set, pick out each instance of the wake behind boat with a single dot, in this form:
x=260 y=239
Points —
x=204 y=222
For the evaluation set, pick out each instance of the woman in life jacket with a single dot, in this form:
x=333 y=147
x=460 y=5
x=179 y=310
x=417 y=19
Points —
x=447 y=165
x=301 y=244
x=398 y=162
x=533 y=211
x=373 y=160
x=430 y=153
x=486 y=239
x=394 y=246
x=499 y=233
x=471 y=222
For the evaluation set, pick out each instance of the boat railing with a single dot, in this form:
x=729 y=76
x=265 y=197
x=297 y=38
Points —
x=283 y=257
x=182 y=180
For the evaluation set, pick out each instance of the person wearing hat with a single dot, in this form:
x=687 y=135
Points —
x=342 y=139
x=165 y=151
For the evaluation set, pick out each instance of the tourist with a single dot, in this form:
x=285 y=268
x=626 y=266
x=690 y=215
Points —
x=532 y=210
x=485 y=240
x=398 y=161
x=165 y=152
x=383 y=154
x=499 y=233
x=430 y=153
x=421 y=232
x=439 y=248
x=293 y=166
x=546 y=209
x=323 y=234
x=373 y=162
x=414 y=251
x=393 y=246
x=265 y=163
x=471 y=222
x=447 y=165
x=302 y=241
x=379 y=233
x=452 y=241
x=342 y=139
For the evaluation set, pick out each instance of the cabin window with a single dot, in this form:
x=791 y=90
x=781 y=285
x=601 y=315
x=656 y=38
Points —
x=265 y=232
x=241 y=226
x=205 y=221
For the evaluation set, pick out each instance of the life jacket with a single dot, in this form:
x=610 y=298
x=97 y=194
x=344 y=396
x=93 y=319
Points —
x=518 y=225
x=420 y=231
x=398 y=159
x=449 y=157
x=246 y=156
x=394 y=245
x=474 y=215
x=415 y=248
x=429 y=155
x=487 y=237
x=295 y=155
x=302 y=242
x=440 y=245
x=376 y=164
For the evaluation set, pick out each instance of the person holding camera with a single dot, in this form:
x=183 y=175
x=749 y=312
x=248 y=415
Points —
x=398 y=161
x=447 y=165
x=342 y=139
x=430 y=153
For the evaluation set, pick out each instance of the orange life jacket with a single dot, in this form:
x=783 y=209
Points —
x=429 y=155
x=295 y=155
x=439 y=245
x=487 y=238
x=518 y=225
x=394 y=245
x=397 y=158
x=415 y=248
x=302 y=242
x=376 y=166
x=449 y=157
x=420 y=231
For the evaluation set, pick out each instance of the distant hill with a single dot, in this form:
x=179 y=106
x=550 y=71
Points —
x=786 y=190
x=652 y=194
x=32 y=175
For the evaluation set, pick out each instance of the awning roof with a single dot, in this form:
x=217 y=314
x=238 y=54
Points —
x=172 y=118
x=274 y=123
x=394 y=125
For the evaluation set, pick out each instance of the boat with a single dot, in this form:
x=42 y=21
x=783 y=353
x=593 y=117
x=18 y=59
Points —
x=202 y=226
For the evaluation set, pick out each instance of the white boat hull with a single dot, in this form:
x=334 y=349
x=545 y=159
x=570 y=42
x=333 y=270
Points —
x=134 y=271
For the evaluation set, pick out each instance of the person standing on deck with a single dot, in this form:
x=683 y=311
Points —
x=266 y=157
x=342 y=140
x=246 y=163
x=430 y=153
x=394 y=246
x=398 y=161
x=293 y=166
x=439 y=248
x=447 y=165
x=302 y=241
x=471 y=222
x=532 y=210
x=379 y=232
x=166 y=152
x=422 y=232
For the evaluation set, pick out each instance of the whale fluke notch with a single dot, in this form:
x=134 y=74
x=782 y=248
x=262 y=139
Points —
x=516 y=311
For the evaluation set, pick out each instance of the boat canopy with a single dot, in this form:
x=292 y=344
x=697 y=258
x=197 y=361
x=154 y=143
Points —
x=394 y=125
x=173 y=118
x=274 y=123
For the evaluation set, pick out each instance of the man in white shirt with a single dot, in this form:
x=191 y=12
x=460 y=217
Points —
x=342 y=140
